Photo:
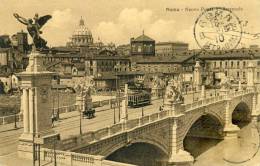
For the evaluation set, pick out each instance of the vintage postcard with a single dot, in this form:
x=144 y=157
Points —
x=129 y=83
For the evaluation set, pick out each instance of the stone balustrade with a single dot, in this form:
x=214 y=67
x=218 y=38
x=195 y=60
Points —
x=74 y=142
x=77 y=159
x=63 y=109
x=72 y=158
x=11 y=119
x=94 y=136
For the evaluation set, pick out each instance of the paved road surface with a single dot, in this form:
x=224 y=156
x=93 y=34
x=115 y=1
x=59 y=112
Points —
x=69 y=125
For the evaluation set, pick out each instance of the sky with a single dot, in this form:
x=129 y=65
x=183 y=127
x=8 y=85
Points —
x=118 y=20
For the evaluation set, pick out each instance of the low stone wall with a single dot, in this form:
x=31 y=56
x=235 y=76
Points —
x=77 y=159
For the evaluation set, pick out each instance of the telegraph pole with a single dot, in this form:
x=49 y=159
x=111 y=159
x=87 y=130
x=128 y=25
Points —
x=118 y=96
x=33 y=100
x=15 y=112
x=114 y=115
x=80 y=125
x=54 y=149
x=58 y=111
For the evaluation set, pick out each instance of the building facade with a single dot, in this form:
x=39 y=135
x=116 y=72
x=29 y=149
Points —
x=101 y=64
x=232 y=64
x=142 y=46
x=170 y=48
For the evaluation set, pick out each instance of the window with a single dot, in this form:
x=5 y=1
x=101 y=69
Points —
x=238 y=74
x=139 y=49
x=226 y=64
x=258 y=75
x=220 y=64
x=244 y=74
x=215 y=64
x=226 y=73
x=238 y=64
x=258 y=63
x=244 y=63
x=232 y=63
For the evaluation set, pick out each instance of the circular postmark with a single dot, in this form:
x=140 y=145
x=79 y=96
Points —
x=217 y=28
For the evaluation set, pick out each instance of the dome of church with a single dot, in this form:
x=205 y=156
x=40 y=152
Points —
x=82 y=36
x=82 y=29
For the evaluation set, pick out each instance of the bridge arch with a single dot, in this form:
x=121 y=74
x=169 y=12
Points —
x=199 y=116
x=241 y=114
x=204 y=132
x=139 y=152
x=110 y=150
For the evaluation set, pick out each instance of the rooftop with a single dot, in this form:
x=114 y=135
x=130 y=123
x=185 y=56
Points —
x=245 y=53
x=142 y=38
x=171 y=42
x=162 y=59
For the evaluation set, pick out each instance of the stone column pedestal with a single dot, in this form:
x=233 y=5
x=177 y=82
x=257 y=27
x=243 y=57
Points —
x=255 y=117
x=124 y=113
x=36 y=84
x=167 y=105
x=203 y=92
x=182 y=158
x=231 y=131
x=223 y=92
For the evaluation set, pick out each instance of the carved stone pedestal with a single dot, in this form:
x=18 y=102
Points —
x=182 y=158
x=223 y=91
x=231 y=131
x=37 y=111
x=255 y=118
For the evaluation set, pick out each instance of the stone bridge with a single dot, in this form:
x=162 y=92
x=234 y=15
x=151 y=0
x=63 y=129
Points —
x=166 y=130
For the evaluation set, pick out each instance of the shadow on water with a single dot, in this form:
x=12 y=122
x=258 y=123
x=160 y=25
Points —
x=140 y=154
x=197 y=146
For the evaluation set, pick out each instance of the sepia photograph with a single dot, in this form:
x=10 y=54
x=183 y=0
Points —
x=129 y=83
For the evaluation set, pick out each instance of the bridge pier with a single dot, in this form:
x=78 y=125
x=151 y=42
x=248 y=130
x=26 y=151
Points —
x=36 y=85
x=230 y=130
x=178 y=156
x=255 y=108
x=182 y=158
x=197 y=76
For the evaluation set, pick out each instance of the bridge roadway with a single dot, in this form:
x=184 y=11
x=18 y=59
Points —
x=156 y=129
x=69 y=123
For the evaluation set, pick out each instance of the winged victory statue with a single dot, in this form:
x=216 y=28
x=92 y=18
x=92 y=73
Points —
x=34 y=29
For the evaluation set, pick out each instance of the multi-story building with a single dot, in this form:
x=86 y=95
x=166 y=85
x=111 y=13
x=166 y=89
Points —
x=5 y=41
x=123 y=50
x=232 y=64
x=20 y=42
x=101 y=64
x=142 y=46
x=170 y=48
x=175 y=67
x=156 y=64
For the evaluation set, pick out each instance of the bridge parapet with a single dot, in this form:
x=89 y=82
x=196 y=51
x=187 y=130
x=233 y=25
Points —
x=105 y=140
x=95 y=136
x=127 y=126
x=77 y=159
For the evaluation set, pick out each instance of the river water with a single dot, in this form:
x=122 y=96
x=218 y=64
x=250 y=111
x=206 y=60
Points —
x=243 y=151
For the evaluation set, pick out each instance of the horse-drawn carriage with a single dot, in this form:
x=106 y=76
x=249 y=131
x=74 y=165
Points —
x=89 y=113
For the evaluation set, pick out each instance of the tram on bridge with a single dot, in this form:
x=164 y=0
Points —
x=138 y=95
